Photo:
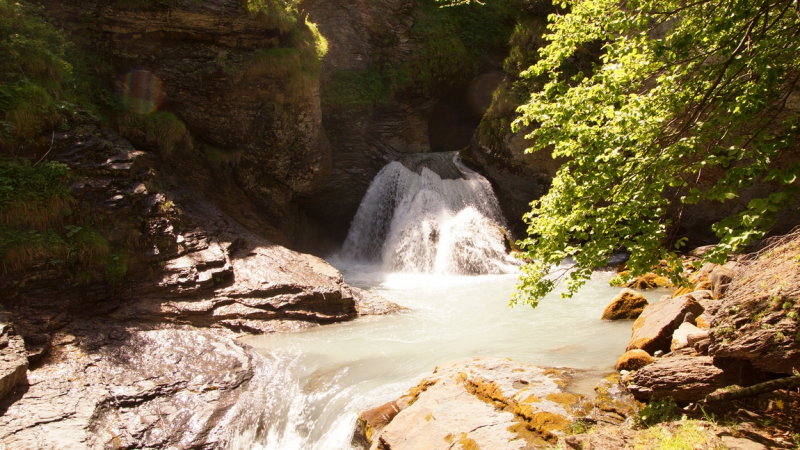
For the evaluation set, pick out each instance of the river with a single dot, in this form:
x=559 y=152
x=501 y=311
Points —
x=426 y=237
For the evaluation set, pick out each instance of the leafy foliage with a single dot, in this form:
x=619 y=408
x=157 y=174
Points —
x=659 y=410
x=449 y=41
x=32 y=74
x=683 y=89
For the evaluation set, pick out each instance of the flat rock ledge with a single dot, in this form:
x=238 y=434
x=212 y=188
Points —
x=493 y=404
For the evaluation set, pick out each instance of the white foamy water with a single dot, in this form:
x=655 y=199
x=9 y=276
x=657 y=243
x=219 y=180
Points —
x=321 y=379
x=418 y=232
x=437 y=217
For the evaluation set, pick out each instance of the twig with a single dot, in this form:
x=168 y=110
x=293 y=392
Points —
x=52 y=139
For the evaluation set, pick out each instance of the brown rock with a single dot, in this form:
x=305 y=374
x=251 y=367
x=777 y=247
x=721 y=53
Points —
x=719 y=279
x=13 y=359
x=653 y=329
x=648 y=281
x=480 y=403
x=757 y=320
x=633 y=360
x=686 y=335
x=627 y=305
x=685 y=378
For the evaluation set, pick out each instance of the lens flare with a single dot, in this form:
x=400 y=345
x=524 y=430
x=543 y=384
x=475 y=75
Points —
x=141 y=92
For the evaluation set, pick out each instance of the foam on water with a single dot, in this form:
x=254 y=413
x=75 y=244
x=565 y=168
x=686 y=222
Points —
x=441 y=217
x=424 y=225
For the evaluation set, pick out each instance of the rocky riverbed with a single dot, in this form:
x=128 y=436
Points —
x=685 y=351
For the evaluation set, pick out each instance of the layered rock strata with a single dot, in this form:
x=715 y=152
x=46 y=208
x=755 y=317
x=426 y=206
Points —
x=242 y=84
x=490 y=403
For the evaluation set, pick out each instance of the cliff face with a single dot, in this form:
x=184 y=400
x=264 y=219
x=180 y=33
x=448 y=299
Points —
x=395 y=77
x=244 y=83
x=364 y=138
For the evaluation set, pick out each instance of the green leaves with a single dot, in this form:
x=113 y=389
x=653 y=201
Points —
x=688 y=105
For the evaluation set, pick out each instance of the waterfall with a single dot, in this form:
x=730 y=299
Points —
x=429 y=213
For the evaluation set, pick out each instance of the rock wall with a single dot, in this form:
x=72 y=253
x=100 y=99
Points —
x=389 y=66
x=242 y=82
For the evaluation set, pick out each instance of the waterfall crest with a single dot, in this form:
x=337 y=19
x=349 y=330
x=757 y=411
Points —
x=429 y=213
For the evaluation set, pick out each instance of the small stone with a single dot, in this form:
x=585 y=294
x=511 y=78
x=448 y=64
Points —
x=633 y=360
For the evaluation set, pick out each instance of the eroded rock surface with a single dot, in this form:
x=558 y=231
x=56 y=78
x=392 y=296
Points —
x=117 y=387
x=653 y=330
x=758 y=320
x=684 y=378
x=13 y=358
x=488 y=403
x=147 y=359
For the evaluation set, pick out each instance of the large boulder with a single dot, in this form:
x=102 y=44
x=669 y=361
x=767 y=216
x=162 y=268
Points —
x=13 y=359
x=627 y=305
x=758 y=320
x=685 y=378
x=480 y=403
x=122 y=388
x=653 y=330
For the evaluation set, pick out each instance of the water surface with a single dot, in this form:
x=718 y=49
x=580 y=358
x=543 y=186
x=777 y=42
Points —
x=324 y=376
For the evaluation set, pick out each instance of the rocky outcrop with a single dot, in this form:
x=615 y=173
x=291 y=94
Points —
x=140 y=353
x=244 y=83
x=363 y=40
x=113 y=387
x=758 y=320
x=653 y=330
x=13 y=358
x=186 y=262
x=685 y=378
x=489 y=403
x=627 y=305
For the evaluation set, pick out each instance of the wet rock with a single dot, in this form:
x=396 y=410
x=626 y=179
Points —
x=485 y=403
x=627 y=305
x=613 y=404
x=633 y=360
x=13 y=358
x=653 y=330
x=685 y=378
x=369 y=304
x=154 y=389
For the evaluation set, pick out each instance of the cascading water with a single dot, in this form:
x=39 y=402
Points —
x=424 y=224
x=429 y=213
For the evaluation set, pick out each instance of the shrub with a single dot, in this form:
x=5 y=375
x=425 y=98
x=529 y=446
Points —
x=356 y=89
x=160 y=131
x=659 y=410
x=33 y=96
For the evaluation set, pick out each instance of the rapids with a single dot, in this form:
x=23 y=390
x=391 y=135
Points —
x=425 y=225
